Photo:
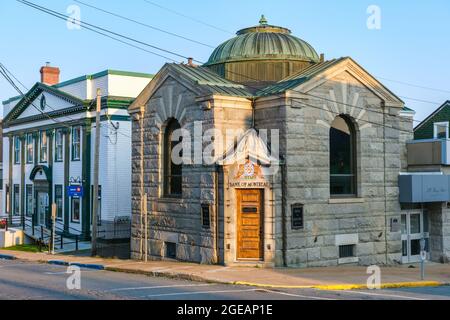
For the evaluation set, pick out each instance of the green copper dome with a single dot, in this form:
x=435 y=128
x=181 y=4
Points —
x=263 y=42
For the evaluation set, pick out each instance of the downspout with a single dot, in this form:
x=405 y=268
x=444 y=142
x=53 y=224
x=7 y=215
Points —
x=143 y=202
x=216 y=219
x=283 y=214
x=383 y=106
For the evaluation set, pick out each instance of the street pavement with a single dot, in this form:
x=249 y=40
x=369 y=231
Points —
x=20 y=280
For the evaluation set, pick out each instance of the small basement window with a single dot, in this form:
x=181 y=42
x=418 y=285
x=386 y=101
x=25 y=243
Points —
x=347 y=251
x=171 y=250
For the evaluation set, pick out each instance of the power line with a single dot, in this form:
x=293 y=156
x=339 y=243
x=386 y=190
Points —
x=391 y=80
x=87 y=26
x=54 y=13
x=46 y=11
x=414 y=85
x=143 y=24
x=188 y=17
x=4 y=72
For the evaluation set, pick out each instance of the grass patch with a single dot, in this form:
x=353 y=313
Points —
x=25 y=248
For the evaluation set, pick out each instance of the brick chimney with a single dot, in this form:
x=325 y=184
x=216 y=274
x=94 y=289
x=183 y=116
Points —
x=50 y=75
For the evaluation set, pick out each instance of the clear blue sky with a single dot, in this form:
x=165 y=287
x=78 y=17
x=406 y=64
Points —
x=412 y=46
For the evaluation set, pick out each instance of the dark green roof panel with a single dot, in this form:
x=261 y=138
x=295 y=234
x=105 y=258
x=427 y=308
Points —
x=263 y=42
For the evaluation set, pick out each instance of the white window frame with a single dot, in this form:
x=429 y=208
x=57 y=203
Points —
x=76 y=144
x=30 y=151
x=440 y=124
x=16 y=150
x=59 y=145
x=43 y=147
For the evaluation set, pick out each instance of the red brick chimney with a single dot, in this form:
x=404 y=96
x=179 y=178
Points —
x=50 y=75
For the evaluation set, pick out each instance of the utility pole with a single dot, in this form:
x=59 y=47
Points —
x=96 y=169
x=52 y=247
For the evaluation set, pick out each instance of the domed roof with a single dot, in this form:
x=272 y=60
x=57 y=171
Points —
x=263 y=42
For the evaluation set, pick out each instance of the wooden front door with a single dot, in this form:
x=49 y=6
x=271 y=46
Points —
x=250 y=224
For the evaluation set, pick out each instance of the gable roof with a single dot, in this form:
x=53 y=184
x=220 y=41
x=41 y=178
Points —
x=297 y=79
x=314 y=71
x=438 y=110
x=202 y=79
x=35 y=91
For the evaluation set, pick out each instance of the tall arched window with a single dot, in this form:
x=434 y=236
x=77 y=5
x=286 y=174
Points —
x=172 y=172
x=342 y=158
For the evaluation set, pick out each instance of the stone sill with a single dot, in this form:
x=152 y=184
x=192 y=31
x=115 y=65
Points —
x=346 y=200
x=348 y=260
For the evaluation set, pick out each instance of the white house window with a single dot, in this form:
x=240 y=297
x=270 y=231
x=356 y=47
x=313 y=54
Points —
x=76 y=143
x=43 y=146
x=30 y=148
x=76 y=209
x=16 y=150
x=59 y=145
x=441 y=130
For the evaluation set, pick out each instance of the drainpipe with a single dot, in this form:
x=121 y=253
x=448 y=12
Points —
x=383 y=106
x=283 y=213
x=216 y=190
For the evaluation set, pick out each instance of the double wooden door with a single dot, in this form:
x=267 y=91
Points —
x=250 y=224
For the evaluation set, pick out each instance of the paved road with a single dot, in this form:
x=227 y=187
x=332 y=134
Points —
x=22 y=281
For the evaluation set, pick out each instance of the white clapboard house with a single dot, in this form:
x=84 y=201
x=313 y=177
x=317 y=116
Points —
x=48 y=145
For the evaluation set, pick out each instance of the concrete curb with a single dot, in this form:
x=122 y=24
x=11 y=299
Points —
x=87 y=265
x=7 y=257
x=345 y=287
x=170 y=275
x=197 y=278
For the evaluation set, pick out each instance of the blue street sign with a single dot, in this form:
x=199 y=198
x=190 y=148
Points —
x=75 y=191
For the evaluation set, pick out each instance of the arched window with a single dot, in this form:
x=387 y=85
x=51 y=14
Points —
x=342 y=158
x=172 y=172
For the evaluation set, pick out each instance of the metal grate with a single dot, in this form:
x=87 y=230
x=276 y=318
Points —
x=347 y=251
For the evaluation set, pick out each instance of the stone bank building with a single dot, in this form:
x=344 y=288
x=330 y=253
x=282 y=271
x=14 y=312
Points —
x=326 y=194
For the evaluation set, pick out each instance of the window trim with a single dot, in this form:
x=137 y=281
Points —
x=72 y=212
x=41 y=147
x=61 y=145
x=17 y=150
x=441 y=124
x=29 y=187
x=30 y=135
x=61 y=197
x=16 y=196
x=167 y=166
x=78 y=143
x=353 y=159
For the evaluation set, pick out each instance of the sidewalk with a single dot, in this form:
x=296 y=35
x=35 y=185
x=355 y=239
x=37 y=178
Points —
x=330 y=278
